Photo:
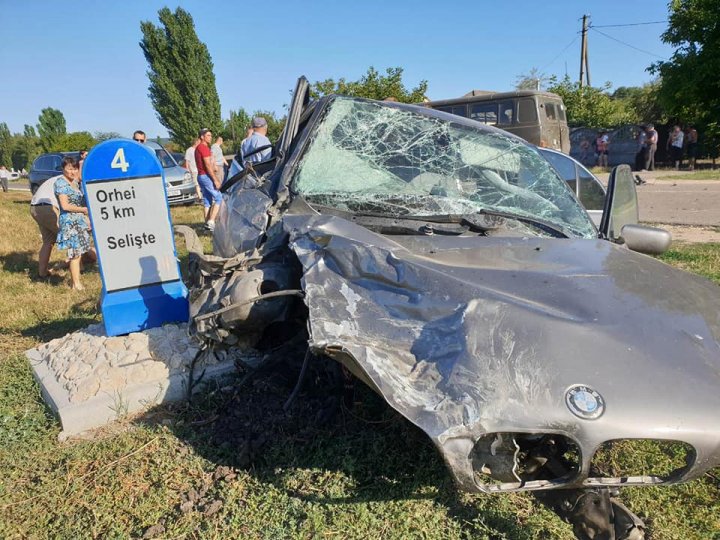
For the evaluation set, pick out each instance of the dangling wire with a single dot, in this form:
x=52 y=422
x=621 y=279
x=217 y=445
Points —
x=299 y=383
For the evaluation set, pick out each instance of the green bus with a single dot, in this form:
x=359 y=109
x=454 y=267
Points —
x=537 y=117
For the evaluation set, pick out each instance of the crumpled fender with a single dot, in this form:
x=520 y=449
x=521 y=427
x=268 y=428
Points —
x=470 y=335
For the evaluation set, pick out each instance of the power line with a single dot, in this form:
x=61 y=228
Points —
x=558 y=55
x=629 y=24
x=626 y=44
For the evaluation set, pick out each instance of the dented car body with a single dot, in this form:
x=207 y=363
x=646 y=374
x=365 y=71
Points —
x=447 y=266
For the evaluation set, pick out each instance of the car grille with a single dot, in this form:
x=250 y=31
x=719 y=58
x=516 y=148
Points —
x=510 y=461
x=640 y=461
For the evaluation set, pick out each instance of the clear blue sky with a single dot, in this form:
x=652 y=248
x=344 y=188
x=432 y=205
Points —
x=83 y=57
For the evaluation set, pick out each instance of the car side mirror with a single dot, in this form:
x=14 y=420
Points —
x=644 y=239
x=619 y=222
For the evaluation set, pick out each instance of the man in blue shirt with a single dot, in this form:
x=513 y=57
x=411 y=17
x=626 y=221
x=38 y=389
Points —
x=257 y=140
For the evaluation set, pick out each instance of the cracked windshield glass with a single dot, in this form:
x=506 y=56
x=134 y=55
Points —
x=368 y=157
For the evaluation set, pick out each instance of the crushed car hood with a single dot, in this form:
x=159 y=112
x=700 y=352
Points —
x=468 y=335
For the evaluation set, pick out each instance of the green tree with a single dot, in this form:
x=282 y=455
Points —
x=70 y=142
x=182 y=83
x=6 y=145
x=102 y=136
x=373 y=85
x=590 y=106
x=275 y=124
x=690 y=84
x=642 y=103
x=236 y=127
x=533 y=80
x=25 y=148
x=51 y=125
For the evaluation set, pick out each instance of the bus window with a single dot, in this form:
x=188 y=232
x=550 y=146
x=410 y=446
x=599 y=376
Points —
x=459 y=110
x=526 y=111
x=561 y=112
x=484 y=112
x=537 y=117
x=505 y=117
x=550 y=111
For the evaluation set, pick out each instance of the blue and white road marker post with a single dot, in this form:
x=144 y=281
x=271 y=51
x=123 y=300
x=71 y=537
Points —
x=124 y=188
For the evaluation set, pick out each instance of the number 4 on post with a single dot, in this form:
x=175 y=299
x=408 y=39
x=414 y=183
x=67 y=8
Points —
x=118 y=162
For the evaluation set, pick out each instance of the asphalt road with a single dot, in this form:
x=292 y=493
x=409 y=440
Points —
x=683 y=202
x=674 y=202
x=22 y=185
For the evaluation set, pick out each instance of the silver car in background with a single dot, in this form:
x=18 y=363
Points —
x=585 y=185
x=178 y=181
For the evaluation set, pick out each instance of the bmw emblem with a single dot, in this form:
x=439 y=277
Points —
x=584 y=402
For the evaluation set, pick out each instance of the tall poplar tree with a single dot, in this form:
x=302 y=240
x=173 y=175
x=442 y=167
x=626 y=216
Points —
x=182 y=83
x=5 y=145
x=51 y=126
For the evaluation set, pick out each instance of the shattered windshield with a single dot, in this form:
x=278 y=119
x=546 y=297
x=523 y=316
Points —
x=370 y=157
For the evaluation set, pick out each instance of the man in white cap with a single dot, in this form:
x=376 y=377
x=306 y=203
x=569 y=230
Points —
x=257 y=147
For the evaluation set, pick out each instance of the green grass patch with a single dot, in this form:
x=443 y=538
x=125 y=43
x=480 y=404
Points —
x=703 y=259
x=212 y=470
x=703 y=174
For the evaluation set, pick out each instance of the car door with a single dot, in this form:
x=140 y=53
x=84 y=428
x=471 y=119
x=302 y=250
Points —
x=586 y=186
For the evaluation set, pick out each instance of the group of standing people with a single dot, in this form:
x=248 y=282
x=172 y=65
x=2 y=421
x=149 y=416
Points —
x=647 y=139
x=677 y=143
x=60 y=211
x=209 y=168
x=58 y=207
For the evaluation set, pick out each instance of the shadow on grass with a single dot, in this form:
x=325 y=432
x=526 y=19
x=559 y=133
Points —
x=321 y=447
x=20 y=262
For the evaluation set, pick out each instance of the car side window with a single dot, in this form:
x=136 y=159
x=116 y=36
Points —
x=564 y=166
x=39 y=163
x=55 y=163
x=592 y=194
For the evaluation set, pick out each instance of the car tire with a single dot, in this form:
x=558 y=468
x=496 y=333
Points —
x=33 y=188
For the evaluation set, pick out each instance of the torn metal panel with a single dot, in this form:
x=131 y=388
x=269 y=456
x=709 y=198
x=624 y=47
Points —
x=242 y=220
x=467 y=336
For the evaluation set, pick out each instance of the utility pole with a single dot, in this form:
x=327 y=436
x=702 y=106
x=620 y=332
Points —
x=584 y=64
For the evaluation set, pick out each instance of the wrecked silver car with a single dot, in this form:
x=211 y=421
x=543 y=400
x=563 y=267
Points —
x=447 y=266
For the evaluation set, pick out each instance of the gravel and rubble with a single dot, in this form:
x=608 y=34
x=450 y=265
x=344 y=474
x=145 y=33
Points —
x=90 y=379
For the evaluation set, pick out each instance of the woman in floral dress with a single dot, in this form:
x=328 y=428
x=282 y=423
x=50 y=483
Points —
x=74 y=229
